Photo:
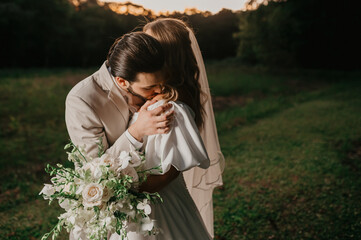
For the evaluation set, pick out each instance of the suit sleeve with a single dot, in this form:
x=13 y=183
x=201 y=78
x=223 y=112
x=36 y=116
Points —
x=85 y=128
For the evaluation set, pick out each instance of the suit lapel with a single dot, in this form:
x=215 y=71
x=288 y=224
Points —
x=116 y=97
x=114 y=94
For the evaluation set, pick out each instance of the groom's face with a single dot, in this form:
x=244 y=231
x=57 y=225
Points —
x=145 y=87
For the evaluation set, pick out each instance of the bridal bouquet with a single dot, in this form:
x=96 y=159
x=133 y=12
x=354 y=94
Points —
x=99 y=195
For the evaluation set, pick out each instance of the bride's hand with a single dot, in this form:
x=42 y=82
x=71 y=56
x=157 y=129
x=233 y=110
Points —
x=151 y=122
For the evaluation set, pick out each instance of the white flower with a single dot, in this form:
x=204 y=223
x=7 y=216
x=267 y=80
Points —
x=147 y=224
x=107 y=220
x=144 y=206
x=135 y=159
x=130 y=171
x=89 y=166
x=47 y=191
x=69 y=186
x=94 y=168
x=97 y=174
x=71 y=219
x=83 y=216
x=118 y=206
x=65 y=215
x=78 y=233
x=92 y=195
x=131 y=213
x=123 y=159
x=120 y=163
x=66 y=203
x=107 y=160
x=80 y=189
x=58 y=179
x=94 y=184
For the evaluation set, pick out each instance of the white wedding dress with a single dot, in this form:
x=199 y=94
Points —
x=177 y=217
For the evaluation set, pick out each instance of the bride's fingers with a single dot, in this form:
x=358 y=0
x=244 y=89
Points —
x=163 y=130
x=168 y=117
x=163 y=124
x=147 y=104
x=161 y=109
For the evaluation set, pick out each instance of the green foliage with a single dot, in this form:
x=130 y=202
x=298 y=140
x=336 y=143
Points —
x=56 y=33
x=300 y=33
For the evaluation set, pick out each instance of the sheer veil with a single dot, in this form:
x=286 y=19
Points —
x=201 y=182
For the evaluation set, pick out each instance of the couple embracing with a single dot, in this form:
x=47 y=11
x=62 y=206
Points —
x=152 y=93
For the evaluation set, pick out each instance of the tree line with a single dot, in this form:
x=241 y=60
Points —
x=293 y=33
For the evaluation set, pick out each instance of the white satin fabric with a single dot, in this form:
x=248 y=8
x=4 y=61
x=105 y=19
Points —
x=201 y=182
x=178 y=216
x=182 y=147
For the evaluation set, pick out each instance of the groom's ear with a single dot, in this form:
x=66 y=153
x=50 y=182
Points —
x=122 y=82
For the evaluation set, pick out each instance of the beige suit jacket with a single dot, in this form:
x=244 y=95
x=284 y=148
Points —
x=96 y=108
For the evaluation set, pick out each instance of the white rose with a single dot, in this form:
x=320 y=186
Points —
x=130 y=171
x=92 y=195
x=47 y=191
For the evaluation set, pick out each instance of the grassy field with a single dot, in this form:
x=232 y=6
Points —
x=292 y=142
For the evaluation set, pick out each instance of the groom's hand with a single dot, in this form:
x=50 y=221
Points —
x=151 y=122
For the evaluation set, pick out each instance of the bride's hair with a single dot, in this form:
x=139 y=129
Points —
x=180 y=67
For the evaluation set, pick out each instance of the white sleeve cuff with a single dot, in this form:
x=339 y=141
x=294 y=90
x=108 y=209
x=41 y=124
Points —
x=134 y=141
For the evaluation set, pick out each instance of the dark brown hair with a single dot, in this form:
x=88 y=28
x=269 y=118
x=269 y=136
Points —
x=134 y=53
x=181 y=69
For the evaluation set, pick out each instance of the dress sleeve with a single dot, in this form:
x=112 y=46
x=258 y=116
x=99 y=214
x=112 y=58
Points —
x=182 y=147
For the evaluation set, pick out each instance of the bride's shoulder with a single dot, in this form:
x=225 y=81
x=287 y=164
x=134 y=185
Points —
x=183 y=108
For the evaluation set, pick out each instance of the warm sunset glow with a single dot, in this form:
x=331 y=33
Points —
x=163 y=6
x=124 y=9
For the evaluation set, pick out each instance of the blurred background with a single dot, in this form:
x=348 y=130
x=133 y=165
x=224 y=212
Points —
x=286 y=84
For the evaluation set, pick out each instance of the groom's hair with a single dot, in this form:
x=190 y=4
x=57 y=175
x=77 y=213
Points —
x=133 y=53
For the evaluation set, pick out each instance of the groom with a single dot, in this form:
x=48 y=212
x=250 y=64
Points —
x=100 y=105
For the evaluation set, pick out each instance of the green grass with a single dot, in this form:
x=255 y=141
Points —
x=288 y=172
x=292 y=148
x=33 y=133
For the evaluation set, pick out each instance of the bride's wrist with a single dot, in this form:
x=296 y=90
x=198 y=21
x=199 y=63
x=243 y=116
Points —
x=135 y=133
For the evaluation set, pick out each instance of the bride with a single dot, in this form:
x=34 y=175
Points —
x=186 y=211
